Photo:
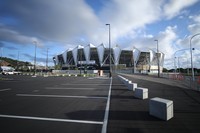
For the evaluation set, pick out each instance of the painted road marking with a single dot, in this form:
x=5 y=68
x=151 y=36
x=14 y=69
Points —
x=64 y=88
x=51 y=119
x=60 y=96
x=5 y=89
x=94 y=84
x=105 y=121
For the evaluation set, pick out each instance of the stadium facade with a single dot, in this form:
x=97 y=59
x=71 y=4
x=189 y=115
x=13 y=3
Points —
x=92 y=57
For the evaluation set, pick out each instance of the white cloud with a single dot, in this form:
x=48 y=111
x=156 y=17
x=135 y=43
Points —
x=127 y=16
x=165 y=39
x=194 y=28
x=65 y=21
x=174 y=7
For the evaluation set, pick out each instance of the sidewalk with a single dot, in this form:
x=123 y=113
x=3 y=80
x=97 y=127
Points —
x=177 y=83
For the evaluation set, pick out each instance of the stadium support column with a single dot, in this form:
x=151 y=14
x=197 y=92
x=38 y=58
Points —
x=110 y=71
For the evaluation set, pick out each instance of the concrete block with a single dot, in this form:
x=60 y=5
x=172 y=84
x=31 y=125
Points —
x=125 y=80
x=161 y=108
x=141 y=93
x=128 y=82
x=132 y=86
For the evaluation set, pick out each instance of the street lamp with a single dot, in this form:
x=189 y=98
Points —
x=18 y=61
x=177 y=56
x=34 y=42
x=1 y=59
x=191 y=55
x=109 y=52
x=47 y=59
x=158 y=59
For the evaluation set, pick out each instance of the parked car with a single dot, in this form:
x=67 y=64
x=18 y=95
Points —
x=7 y=72
x=17 y=73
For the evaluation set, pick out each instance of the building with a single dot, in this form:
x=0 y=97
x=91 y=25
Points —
x=92 y=57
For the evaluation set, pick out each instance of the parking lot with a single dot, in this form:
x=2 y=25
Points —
x=93 y=105
x=53 y=104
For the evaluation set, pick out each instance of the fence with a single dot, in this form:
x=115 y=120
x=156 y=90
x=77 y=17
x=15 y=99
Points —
x=187 y=80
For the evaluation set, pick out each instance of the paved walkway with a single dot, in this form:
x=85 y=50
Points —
x=128 y=114
x=177 y=83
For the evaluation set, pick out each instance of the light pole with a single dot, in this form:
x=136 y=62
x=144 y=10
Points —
x=1 y=57
x=18 y=61
x=191 y=55
x=47 y=59
x=34 y=42
x=174 y=64
x=109 y=52
x=158 y=59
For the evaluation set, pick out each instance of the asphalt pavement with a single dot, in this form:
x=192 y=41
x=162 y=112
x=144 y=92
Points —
x=131 y=115
x=52 y=104
x=80 y=105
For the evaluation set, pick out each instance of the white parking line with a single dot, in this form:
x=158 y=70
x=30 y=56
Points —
x=5 y=89
x=60 y=96
x=105 y=121
x=51 y=119
x=64 y=88
x=92 y=84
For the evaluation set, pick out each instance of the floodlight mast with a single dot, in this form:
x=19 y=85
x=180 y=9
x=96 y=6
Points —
x=158 y=59
x=35 y=42
x=110 y=70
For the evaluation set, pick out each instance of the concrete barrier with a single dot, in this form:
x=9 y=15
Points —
x=161 y=108
x=45 y=75
x=125 y=80
x=128 y=82
x=132 y=86
x=141 y=93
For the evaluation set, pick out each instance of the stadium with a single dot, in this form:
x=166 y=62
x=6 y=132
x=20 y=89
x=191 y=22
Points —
x=92 y=57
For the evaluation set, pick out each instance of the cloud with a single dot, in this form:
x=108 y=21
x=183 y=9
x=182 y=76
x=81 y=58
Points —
x=8 y=35
x=1 y=44
x=165 y=39
x=65 y=21
x=69 y=23
x=11 y=48
x=174 y=7
x=12 y=55
x=194 y=28
x=39 y=60
x=128 y=16
x=53 y=20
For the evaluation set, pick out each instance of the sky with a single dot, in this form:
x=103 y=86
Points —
x=57 y=25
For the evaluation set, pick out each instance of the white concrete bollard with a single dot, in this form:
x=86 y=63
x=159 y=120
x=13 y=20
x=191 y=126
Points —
x=128 y=82
x=161 y=108
x=125 y=80
x=132 y=86
x=141 y=93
